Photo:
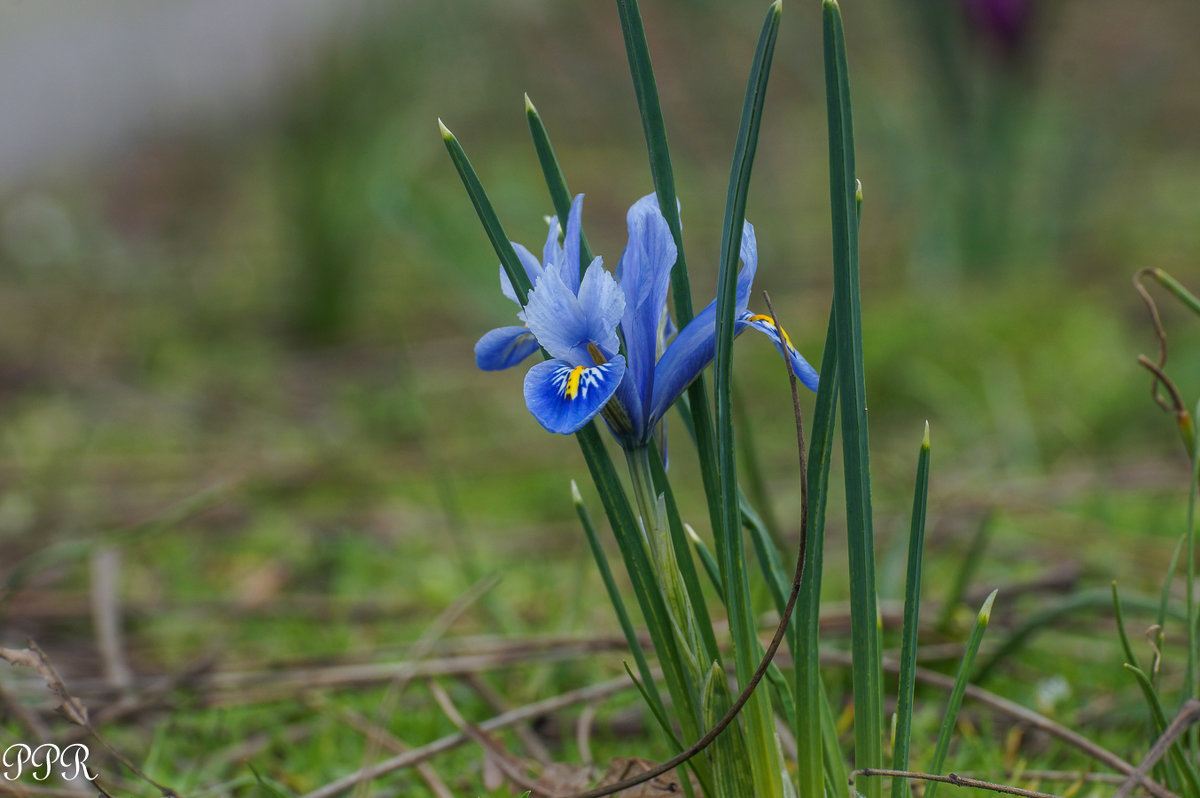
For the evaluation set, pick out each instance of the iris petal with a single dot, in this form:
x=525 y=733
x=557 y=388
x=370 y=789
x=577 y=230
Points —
x=804 y=372
x=570 y=260
x=749 y=253
x=688 y=354
x=552 y=250
x=563 y=396
x=694 y=347
x=504 y=347
x=565 y=324
x=532 y=268
x=645 y=275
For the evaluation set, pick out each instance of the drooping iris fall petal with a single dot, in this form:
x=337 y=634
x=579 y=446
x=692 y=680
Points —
x=563 y=397
x=504 y=347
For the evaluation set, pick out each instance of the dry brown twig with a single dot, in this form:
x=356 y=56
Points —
x=72 y=708
x=1187 y=716
x=421 y=649
x=583 y=732
x=106 y=616
x=512 y=770
x=526 y=735
x=950 y=778
x=1176 y=406
x=384 y=739
x=583 y=695
x=1023 y=715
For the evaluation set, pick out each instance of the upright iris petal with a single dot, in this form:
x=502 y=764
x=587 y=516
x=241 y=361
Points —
x=533 y=270
x=565 y=324
x=645 y=277
x=566 y=254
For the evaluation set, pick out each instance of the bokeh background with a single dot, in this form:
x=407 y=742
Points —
x=240 y=283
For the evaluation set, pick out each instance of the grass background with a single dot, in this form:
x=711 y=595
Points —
x=241 y=354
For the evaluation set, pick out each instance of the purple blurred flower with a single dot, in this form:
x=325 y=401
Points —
x=1006 y=22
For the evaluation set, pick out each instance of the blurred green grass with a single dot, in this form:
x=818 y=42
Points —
x=368 y=462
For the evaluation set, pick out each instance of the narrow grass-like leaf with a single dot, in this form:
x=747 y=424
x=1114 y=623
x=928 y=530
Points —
x=764 y=759
x=556 y=182
x=816 y=737
x=1164 y=600
x=912 y=608
x=968 y=564
x=810 y=690
x=665 y=723
x=779 y=582
x=267 y=786
x=1175 y=287
x=659 y=714
x=654 y=128
x=956 y=695
x=1083 y=601
x=1130 y=656
x=708 y=561
x=751 y=471
x=614 y=595
x=1177 y=759
x=866 y=673
x=487 y=215
x=728 y=752
x=837 y=781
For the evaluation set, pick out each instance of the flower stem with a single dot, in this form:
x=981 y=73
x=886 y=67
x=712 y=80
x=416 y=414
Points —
x=662 y=555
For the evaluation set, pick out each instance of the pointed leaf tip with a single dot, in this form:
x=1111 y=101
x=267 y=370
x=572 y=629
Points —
x=777 y=7
x=529 y=109
x=925 y=440
x=446 y=134
x=576 y=496
x=985 y=612
x=691 y=533
x=858 y=190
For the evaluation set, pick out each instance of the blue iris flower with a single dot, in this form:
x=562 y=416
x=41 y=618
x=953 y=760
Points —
x=612 y=346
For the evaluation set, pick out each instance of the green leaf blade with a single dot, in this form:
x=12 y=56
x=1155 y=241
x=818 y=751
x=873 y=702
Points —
x=912 y=609
x=866 y=672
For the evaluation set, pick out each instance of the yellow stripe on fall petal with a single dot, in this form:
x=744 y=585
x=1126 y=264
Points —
x=771 y=323
x=573 y=378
